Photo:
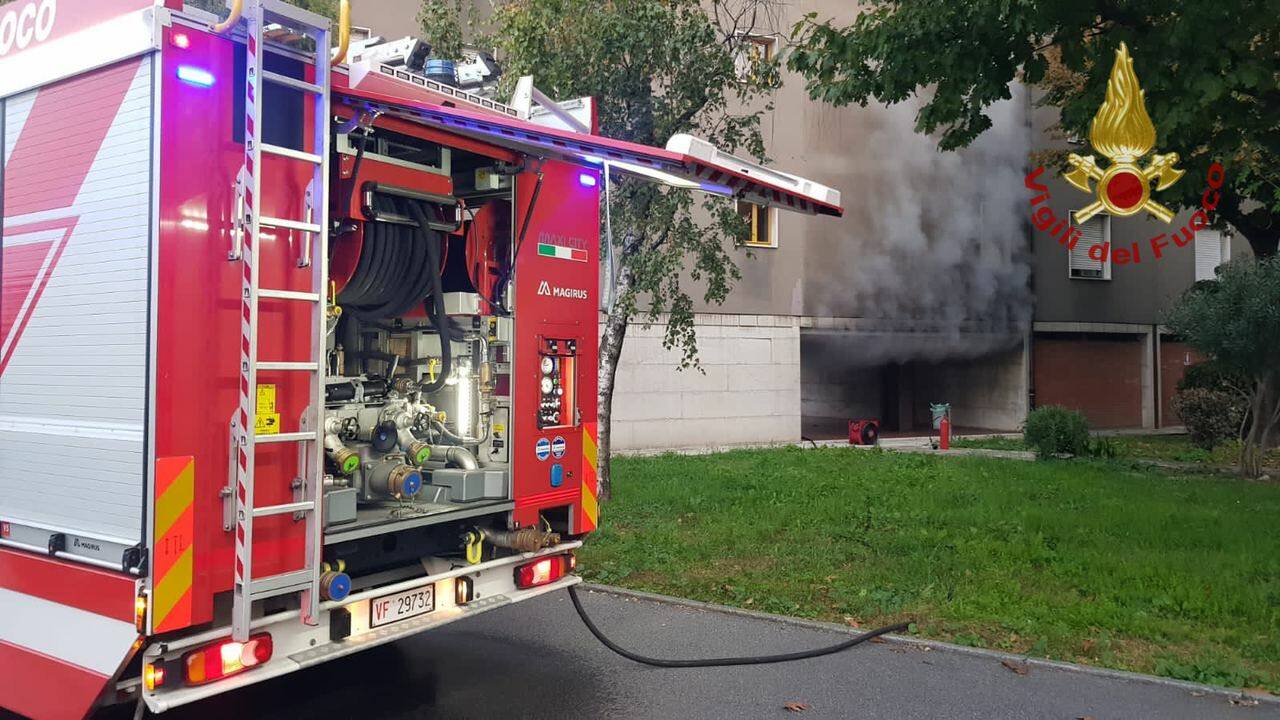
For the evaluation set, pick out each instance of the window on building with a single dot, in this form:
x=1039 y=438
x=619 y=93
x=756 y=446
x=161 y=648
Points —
x=1095 y=231
x=753 y=52
x=1213 y=248
x=764 y=224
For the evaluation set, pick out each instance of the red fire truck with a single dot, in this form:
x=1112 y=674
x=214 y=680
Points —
x=298 y=350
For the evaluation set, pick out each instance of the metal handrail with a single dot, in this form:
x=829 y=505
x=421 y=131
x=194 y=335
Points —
x=344 y=32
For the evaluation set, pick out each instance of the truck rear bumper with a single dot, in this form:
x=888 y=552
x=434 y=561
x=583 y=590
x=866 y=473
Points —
x=298 y=646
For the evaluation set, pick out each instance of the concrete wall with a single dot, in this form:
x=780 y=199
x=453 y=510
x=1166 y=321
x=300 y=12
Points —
x=748 y=391
x=830 y=399
x=390 y=18
x=989 y=392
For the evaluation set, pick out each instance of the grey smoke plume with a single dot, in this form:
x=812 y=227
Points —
x=932 y=257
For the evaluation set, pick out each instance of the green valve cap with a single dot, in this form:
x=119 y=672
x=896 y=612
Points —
x=422 y=454
x=350 y=464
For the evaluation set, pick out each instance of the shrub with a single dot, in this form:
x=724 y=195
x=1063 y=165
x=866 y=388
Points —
x=1104 y=448
x=1210 y=375
x=1053 y=430
x=1211 y=416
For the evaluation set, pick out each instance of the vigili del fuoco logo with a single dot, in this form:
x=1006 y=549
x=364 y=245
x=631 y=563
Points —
x=1122 y=132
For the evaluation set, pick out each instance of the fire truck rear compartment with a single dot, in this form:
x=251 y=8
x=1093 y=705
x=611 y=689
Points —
x=418 y=388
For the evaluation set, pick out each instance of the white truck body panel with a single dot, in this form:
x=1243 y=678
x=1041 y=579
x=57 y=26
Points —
x=73 y=386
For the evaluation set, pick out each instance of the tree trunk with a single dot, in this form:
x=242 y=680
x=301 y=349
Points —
x=615 y=332
x=1264 y=410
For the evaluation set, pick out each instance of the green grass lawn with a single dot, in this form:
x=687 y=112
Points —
x=1082 y=561
x=990 y=443
x=1176 y=448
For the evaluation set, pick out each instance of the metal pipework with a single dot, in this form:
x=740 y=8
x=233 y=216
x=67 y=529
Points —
x=523 y=540
x=394 y=478
x=406 y=418
x=448 y=434
x=342 y=456
x=455 y=455
x=418 y=451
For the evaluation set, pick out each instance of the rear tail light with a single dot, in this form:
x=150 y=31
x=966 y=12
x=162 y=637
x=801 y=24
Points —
x=226 y=658
x=153 y=675
x=463 y=590
x=543 y=571
x=140 y=613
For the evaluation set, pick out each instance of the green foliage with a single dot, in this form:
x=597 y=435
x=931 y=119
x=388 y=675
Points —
x=1211 y=416
x=442 y=23
x=1209 y=375
x=656 y=68
x=1104 y=448
x=1053 y=430
x=1211 y=667
x=1177 y=448
x=1235 y=320
x=1212 y=95
x=1082 y=561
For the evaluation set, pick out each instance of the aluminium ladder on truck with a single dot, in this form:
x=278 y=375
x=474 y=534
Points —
x=314 y=208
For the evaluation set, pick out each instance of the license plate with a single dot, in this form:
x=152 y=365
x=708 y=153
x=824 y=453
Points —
x=402 y=606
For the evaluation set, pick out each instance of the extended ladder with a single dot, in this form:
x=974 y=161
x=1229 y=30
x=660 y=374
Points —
x=313 y=229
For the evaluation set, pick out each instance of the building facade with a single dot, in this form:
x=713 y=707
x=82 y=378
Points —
x=934 y=288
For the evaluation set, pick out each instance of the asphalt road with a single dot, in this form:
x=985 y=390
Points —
x=536 y=660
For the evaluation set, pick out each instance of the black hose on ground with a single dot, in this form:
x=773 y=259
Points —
x=728 y=661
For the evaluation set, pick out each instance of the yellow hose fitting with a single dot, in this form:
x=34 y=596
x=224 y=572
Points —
x=344 y=32
x=237 y=8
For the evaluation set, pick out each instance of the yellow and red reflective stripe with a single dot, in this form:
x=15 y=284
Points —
x=589 y=507
x=173 y=550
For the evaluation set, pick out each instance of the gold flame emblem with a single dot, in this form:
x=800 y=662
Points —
x=1122 y=131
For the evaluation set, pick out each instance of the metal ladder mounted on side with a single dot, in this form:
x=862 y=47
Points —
x=307 y=486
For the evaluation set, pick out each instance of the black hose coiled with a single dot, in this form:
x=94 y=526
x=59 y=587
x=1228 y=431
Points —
x=394 y=272
x=440 y=317
x=399 y=268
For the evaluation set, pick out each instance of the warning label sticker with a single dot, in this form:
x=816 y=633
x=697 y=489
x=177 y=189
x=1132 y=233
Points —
x=267 y=420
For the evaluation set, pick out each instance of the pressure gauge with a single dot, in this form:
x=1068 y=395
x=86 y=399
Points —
x=547 y=366
x=546 y=386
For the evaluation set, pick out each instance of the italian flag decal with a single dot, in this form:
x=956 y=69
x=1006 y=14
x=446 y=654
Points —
x=561 y=253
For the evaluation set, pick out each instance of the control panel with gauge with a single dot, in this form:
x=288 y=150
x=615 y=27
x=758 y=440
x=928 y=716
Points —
x=557 y=357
